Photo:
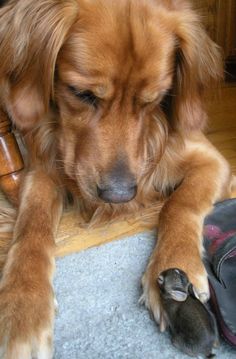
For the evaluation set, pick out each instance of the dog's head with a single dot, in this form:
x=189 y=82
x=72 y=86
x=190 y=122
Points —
x=124 y=75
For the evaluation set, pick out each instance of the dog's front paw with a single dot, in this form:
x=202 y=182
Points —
x=151 y=299
x=26 y=322
x=198 y=278
x=195 y=271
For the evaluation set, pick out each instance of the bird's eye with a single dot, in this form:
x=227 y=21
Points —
x=160 y=279
x=86 y=96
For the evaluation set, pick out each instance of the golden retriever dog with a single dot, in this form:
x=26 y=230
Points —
x=109 y=97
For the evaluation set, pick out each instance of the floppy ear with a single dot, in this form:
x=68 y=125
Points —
x=31 y=35
x=198 y=67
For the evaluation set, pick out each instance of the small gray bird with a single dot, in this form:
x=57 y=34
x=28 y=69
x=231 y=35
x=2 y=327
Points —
x=192 y=325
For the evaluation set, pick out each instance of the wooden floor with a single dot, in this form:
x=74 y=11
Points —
x=73 y=237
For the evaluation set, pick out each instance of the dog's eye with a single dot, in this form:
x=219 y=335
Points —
x=85 y=96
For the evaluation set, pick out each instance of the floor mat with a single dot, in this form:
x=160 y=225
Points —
x=99 y=316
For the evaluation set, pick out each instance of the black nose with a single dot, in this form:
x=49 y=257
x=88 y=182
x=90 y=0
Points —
x=118 y=185
x=117 y=193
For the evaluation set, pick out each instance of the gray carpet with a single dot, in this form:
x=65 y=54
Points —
x=99 y=315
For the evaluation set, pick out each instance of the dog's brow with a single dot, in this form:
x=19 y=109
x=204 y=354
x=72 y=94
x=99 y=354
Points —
x=100 y=85
x=153 y=89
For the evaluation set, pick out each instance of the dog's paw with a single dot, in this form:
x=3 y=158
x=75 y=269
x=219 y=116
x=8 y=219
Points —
x=26 y=323
x=196 y=274
x=200 y=283
x=151 y=299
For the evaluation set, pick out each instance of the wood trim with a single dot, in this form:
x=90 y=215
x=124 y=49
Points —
x=219 y=18
x=226 y=27
x=11 y=161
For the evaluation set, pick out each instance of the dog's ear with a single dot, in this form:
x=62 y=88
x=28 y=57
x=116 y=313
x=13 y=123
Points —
x=31 y=35
x=198 y=67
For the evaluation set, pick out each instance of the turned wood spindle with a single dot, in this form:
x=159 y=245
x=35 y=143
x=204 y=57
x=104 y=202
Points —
x=11 y=162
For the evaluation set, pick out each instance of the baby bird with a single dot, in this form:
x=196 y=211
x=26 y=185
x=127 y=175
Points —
x=192 y=326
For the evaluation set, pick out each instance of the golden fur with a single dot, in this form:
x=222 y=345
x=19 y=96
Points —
x=147 y=65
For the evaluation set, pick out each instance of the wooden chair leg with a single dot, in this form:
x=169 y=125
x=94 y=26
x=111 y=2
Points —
x=11 y=162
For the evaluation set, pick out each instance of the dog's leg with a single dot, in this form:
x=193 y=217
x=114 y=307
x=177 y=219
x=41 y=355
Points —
x=26 y=293
x=206 y=180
